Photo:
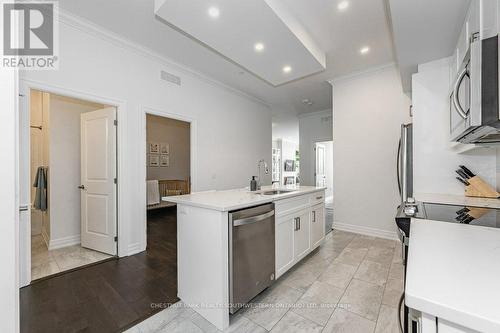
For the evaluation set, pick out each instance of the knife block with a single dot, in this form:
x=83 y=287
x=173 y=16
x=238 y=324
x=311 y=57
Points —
x=479 y=188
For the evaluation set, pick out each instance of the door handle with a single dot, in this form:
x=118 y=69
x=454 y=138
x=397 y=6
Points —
x=314 y=215
x=253 y=219
x=298 y=219
x=456 y=101
x=81 y=187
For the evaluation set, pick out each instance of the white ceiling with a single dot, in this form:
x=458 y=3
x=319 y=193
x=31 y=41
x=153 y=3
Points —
x=234 y=31
x=424 y=30
x=340 y=34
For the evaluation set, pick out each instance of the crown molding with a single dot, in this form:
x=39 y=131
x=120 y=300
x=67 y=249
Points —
x=102 y=33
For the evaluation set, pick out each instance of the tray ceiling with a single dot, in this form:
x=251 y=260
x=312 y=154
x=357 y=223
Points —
x=261 y=36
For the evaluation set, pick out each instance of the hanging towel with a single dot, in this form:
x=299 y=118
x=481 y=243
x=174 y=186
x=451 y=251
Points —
x=153 y=192
x=41 y=189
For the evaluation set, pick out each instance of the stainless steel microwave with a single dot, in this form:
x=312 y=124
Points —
x=474 y=105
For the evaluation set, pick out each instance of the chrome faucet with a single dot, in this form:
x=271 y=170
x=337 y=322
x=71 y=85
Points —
x=266 y=169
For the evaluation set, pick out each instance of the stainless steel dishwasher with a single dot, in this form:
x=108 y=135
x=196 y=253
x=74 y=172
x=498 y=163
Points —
x=251 y=253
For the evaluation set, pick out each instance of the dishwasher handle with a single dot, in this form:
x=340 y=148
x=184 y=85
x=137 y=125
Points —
x=253 y=219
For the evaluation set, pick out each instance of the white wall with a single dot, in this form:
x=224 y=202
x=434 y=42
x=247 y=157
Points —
x=232 y=131
x=176 y=134
x=434 y=159
x=9 y=198
x=368 y=111
x=285 y=125
x=313 y=127
x=64 y=167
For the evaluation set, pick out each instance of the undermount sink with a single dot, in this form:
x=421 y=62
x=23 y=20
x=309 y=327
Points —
x=275 y=192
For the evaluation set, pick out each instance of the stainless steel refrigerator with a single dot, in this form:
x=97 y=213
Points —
x=405 y=162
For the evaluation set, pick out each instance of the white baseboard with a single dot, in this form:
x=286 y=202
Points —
x=63 y=242
x=135 y=248
x=366 y=230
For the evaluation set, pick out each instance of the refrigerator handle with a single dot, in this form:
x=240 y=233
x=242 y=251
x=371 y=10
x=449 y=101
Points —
x=398 y=166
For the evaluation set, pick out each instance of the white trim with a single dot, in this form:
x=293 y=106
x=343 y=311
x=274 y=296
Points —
x=135 y=248
x=98 y=31
x=193 y=153
x=365 y=230
x=123 y=217
x=63 y=242
x=369 y=71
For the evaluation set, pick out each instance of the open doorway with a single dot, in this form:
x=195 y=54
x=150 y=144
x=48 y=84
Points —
x=323 y=175
x=72 y=171
x=168 y=158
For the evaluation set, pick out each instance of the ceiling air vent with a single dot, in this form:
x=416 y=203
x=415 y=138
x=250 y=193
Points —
x=170 y=78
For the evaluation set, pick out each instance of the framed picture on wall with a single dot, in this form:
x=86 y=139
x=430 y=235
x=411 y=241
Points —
x=164 y=148
x=154 y=160
x=154 y=148
x=164 y=160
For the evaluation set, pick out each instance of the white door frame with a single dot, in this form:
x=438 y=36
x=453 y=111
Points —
x=25 y=86
x=192 y=156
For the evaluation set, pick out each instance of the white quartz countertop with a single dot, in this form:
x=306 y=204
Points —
x=239 y=198
x=452 y=199
x=453 y=273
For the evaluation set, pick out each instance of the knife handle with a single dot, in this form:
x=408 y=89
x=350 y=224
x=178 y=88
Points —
x=467 y=171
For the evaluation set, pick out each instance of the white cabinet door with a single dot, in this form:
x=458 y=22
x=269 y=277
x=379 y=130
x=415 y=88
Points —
x=444 y=326
x=474 y=18
x=463 y=42
x=284 y=244
x=302 y=241
x=317 y=225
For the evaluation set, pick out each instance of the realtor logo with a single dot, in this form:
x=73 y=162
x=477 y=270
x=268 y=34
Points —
x=29 y=35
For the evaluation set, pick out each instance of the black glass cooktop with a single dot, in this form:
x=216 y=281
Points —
x=487 y=217
x=475 y=216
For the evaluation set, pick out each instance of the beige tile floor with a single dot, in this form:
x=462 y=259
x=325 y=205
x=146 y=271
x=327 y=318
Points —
x=351 y=284
x=45 y=262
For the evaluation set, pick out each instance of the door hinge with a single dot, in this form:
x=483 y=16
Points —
x=116 y=238
x=21 y=95
x=115 y=122
x=116 y=180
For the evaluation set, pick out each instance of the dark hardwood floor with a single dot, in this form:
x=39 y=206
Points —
x=109 y=296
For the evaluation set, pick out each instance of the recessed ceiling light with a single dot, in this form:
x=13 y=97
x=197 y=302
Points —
x=287 y=69
x=343 y=5
x=364 y=50
x=213 y=12
x=259 y=47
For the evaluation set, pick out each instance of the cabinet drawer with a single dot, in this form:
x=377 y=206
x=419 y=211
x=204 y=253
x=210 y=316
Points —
x=287 y=206
x=317 y=198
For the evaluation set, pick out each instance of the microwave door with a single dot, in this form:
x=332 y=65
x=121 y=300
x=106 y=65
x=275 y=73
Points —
x=460 y=101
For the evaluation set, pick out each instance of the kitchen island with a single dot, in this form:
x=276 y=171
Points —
x=452 y=276
x=203 y=240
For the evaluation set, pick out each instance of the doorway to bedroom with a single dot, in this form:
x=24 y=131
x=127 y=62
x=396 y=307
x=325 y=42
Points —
x=168 y=159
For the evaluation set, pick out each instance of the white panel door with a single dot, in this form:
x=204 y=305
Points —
x=320 y=165
x=98 y=188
